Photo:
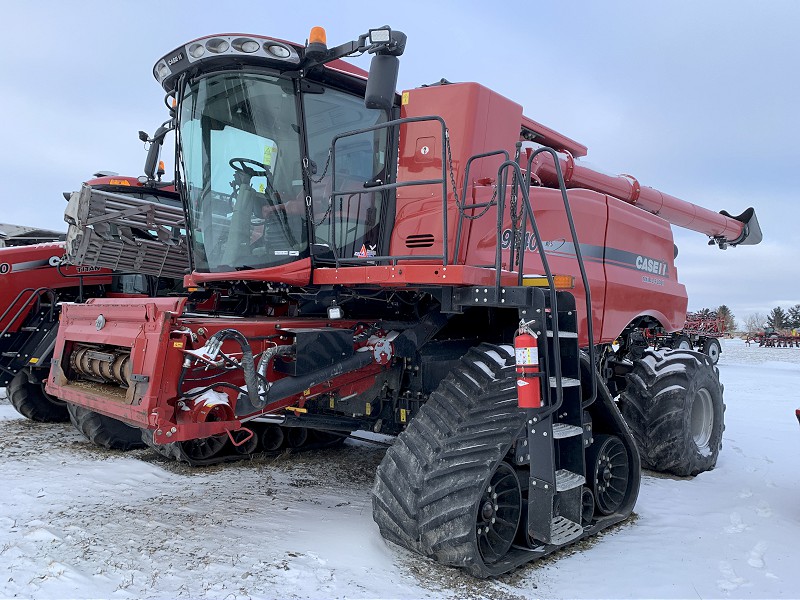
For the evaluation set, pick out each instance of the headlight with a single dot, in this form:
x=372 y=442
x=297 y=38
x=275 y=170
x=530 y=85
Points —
x=246 y=45
x=217 y=45
x=196 y=50
x=277 y=50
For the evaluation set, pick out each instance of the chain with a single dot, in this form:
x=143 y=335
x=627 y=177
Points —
x=484 y=211
x=450 y=164
x=455 y=189
x=325 y=216
x=515 y=222
x=324 y=171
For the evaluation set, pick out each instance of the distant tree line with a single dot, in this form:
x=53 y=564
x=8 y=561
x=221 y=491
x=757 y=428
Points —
x=778 y=318
x=784 y=319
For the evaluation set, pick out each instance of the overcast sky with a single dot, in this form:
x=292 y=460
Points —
x=699 y=99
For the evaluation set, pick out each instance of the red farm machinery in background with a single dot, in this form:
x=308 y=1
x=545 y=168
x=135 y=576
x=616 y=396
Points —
x=366 y=260
x=701 y=331
x=35 y=281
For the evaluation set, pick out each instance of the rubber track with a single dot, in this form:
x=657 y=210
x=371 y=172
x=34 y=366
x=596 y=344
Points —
x=31 y=401
x=104 y=431
x=653 y=406
x=429 y=483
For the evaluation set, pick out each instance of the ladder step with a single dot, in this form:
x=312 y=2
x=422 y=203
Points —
x=564 y=334
x=567 y=480
x=562 y=430
x=565 y=382
x=564 y=531
x=10 y=354
x=29 y=328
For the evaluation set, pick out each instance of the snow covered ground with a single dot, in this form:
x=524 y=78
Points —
x=80 y=522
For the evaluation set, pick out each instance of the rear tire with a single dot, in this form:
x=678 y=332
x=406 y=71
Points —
x=104 y=431
x=673 y=406
x=31 y=401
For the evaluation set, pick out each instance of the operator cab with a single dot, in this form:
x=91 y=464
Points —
x=255 y=163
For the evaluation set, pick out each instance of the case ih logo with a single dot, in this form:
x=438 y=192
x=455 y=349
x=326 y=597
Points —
x=651 y=266
x=174 y=59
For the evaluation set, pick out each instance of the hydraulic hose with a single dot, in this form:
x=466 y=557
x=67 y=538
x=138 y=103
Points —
x=213 y=346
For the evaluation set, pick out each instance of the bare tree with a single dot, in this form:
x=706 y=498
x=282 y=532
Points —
x=754 y=322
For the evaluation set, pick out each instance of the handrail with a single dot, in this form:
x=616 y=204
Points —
x=501 y=198
x=389 y=186
x=463 y=205
x=35 y=294
x=578 y=256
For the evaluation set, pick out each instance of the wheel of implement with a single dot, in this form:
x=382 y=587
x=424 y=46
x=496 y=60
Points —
x=608 y=470
x=673 y=406
x=273 y=438
x=249 y=445
x=104 y=431
x=712 y=349
x=33 y=402
x=499 y=512
x=682 y=342
x=431 y=492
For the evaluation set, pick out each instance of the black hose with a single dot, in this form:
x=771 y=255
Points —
x=247 y=363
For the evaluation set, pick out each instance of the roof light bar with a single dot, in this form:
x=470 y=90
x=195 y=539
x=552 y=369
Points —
x=251 y=48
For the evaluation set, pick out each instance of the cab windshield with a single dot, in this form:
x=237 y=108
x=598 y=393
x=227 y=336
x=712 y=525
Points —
x=241 y=167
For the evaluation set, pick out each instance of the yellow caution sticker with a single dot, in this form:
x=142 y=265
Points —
x=307 y=392
x=403 y=415
x=33 y=361
x=404 y=99
x=369 y=409
x=119 y=182
x=332 y=403
x=177 y=344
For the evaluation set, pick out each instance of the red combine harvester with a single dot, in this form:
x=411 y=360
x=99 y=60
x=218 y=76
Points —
x=433 y=265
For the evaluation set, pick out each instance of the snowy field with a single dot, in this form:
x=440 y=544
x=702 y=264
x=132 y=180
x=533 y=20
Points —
x=78 y=522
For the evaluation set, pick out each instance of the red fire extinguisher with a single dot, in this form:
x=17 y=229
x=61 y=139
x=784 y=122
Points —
x=529 y=393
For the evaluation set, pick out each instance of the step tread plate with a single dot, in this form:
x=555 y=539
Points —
x=564 y=531
x=567 y=480
x=562 y=430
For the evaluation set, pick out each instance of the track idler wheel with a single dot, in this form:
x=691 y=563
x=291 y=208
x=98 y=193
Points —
x=499 y=513
x=609 y=470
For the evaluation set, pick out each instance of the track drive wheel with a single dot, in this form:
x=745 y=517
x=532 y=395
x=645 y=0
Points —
x=33 y=402
x=104 y=431
x=712 y=349
x=673 y=406
x=434 y=490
